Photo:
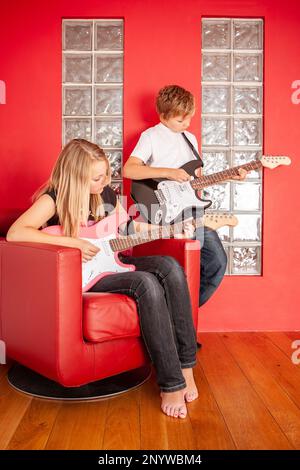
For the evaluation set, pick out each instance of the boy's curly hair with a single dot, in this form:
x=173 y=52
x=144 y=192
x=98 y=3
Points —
x=173 y=100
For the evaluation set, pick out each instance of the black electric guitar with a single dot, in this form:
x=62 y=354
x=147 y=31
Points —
x=165 y=201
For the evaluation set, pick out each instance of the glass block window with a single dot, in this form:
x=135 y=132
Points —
x=93 y=87
x=232 y=104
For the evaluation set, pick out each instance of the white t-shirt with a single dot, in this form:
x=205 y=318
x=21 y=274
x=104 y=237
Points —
x=159 y=146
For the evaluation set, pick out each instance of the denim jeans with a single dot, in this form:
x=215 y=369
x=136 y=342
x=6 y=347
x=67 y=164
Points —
x=213 y=262
x=160 y=290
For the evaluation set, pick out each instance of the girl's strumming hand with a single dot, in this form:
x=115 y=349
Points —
x=88 y=249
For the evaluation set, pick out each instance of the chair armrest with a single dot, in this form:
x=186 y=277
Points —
x=187 y=253
x=41 y=307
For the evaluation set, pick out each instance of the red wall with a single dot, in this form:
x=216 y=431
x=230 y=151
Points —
x=162 y=46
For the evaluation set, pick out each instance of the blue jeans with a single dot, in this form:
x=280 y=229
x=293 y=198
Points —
x=161 y=293
x=213 y=263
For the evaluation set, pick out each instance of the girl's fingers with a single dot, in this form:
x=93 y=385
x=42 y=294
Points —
x=88 y=257
x=189 y=229
x=93 y=251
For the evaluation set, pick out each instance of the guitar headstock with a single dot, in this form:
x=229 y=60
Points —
x=273 y=161
x=217 y=220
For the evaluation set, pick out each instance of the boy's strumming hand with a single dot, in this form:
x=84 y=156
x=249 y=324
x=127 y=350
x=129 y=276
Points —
x=177 y=174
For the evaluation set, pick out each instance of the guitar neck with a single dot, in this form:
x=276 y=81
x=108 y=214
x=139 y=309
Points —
x=209 y=180
x=165 y=231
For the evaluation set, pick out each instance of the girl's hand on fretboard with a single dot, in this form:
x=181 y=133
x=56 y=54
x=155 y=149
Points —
x=188 y=229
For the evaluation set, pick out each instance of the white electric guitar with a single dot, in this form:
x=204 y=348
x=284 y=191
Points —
x=163 y=201
x=104 y=234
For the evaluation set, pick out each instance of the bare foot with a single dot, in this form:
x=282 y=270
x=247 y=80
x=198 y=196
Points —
x=173 y=404
x=191 y=391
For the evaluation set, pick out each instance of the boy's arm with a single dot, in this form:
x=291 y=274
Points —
x=135 y=169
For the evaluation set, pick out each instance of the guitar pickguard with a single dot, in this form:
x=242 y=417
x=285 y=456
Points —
x=103 y=263
x=177 y=198
x=106 y=261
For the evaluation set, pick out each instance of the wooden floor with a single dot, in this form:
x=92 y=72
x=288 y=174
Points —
x=249 y=399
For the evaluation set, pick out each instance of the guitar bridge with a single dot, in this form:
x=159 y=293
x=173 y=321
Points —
x=160 y=196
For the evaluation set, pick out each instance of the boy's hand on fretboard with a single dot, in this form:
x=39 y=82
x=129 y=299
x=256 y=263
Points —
x=242 y=175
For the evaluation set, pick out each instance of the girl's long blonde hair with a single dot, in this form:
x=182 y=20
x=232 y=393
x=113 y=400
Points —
x=70 y=179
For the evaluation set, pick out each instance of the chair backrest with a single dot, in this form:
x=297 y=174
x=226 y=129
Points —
x=7 y=218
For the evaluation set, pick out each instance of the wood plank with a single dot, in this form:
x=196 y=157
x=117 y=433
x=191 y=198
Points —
x=4 y=368
x=122 y=427
x=249 y=398
x=284 y=410
x=35 y=426
x=279 y=365
x=249 y=422
x=79 y=426
x=294 y=335
x=153 y=421
x=13 y=405
x=281 y=340
x=180 y=433
x=209 y=427
x=159 y=431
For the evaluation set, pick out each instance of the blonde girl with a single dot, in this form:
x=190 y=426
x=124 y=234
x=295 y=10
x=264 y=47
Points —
x=78 y=193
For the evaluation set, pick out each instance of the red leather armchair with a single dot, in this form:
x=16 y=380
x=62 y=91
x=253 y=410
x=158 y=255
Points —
x=74 y=339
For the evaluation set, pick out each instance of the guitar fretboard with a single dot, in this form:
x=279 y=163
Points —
x=203 y=181
x=165 y=231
